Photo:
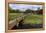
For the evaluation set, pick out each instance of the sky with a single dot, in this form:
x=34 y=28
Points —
x=25 y=6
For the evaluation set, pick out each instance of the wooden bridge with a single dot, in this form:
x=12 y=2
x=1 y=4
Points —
x=16 y=21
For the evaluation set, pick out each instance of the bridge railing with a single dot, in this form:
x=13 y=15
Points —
x=14 y=22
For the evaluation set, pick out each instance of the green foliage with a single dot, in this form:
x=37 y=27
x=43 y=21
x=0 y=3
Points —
x=10 y=10
x=28 y=11
x=33 y=19
x=17 y=11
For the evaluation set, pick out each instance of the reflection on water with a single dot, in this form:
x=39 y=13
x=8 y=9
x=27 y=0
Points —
x=28 y=26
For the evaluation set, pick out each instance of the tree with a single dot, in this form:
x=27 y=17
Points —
x=9 y=9
x=28 y=11
x=17 y=11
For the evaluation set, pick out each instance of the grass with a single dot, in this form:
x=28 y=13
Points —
x=11 y=16
x=14 y=15
x=32 y=19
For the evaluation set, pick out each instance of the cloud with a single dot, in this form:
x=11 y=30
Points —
x=25 y=6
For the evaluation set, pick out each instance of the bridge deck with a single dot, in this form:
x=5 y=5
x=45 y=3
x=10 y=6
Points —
x=14 y=22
